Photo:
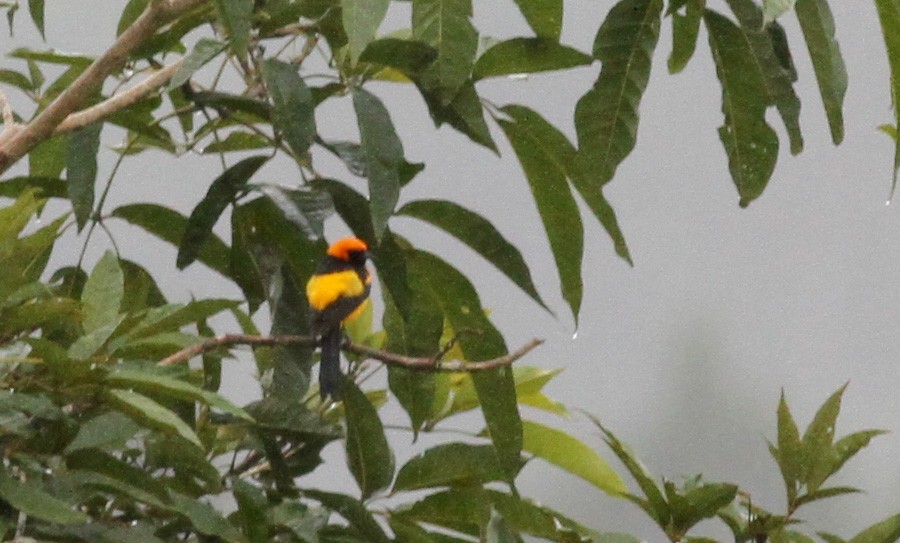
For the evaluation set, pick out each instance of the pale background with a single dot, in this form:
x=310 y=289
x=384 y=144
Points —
x=684 y=355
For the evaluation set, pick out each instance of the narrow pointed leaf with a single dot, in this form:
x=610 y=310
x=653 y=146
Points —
x=751 y=144
x=81 y=168
x=886 y=531
x=446 y=26
x=545 y=155
x=369 y=456
x=790 y=449
x=450 y=464
x=235 y=16
x=817 y=24
x=361 y=20
x=204 y=517
x=572 y=455
x=889 y=16
x=352 y=510
x=602 y=210
x=384 y=154
x=204 y=50
x=147 y=412
x=36 y=9
x=822 y=493
x=464 y=113
x=30 y=499
x=102 y=295
x=606 y=118
x=685 y=28
x=293 y=105
x=221 y=193
x=543 y=16
x=526 y=56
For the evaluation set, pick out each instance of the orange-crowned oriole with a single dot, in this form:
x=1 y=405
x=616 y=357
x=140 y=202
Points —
x=337 y=293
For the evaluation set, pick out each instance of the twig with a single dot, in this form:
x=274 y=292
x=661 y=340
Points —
x=429 y=363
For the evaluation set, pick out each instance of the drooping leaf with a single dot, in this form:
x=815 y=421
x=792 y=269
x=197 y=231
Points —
x=546 y=155
x=235 y=16
x=527 y=55
x=446 y=26
x=369 y=456
x=361 y=20
x=606 y=118
x=204 y=50
x=148 y=412
x=81 y=167
x=751 y=144
x=103 y=293
x=384 y=153
x=817 y=24
x=352 y=510
x=30 y=499
x=463 y=113
x=543 y=16
x=450 y=464
x=293 y=104
x=572 y=455
x=479 y=234
x=409 y=56
x=889 y=17
x=221 y=192
x=36 y=9
x=15 y=79
x=685 y=28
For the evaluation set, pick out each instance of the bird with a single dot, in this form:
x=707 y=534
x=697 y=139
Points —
x=337 y=293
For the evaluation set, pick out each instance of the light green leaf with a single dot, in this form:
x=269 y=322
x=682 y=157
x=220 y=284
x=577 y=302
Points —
x=751 y=144
x=204 y=50
x=102 y=295
x=49 y=158
x=369 y=456
x=450 y=464
x=572 y=455
x=543 y=16
x=81 y=168
x=772 y=9
x=235 y=16
x=446 y=25
x=384 y=153
x=29 y=498
x=817 y=24
x=146 y=411
x=685 y=28
x=527 y=55
x=546 y=155
x=90 y=343
x=293 y=105
x=606 y=118
x=889 y=17
x=361 y=20
x=886 y=531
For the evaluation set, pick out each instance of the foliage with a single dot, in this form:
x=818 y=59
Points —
x=102 y=442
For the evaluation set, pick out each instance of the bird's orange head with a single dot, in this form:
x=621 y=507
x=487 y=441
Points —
x=346 y=248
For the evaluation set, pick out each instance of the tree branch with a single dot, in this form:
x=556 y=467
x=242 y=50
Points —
x=432 y=364
x=90 y=82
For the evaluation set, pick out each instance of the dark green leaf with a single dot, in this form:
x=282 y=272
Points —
x=602 y=210
x=465 y=510
x=361 y=21
x=450 y=464
x=352 y=510
x=108 y=430
x=543 y=16
x=751 y=144
x=446 y=25
x=81 y=168
x=546 y=155
x=252 y=508
x=189 y=462
x=169 y=225
x=463 y=113
x=204 y=50
x=497 y=531
x=204 y=517
x=293 y=105
x=228 y=104
x=48 y=158
x=147 y=412
x=817 y=24
x=685 y=28
x=51 y=57
x=572 y=455
x=408 y=56
x=528 y=55
x=16 y=79
x=304 y=208
x=222 y=192
x=606 y=118
x=237 y=141
x=103 y=293
x=479 y=234
x=886 y=531
x=384 y=153
x=235 y=16
x=30 y=499
x=523 y=515
x=369 y=456
x=889 y=16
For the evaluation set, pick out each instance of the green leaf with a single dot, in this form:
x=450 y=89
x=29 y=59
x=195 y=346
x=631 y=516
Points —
x=352 y=510
x=16 y=79
x=450 y=464
x=823 y=493
x=546 y=155
x=685 y=28
x=221 y=193
x=572 y=455
x=237 y=141
x=464 y=113
x=889 y=17
x=528 y=55
x=751 y=144
x=51 y=56
x=464 y=510
x=103 y=293
x=361 y=20
x=606 y=118
x=496 y=389
x=146 y=411
x=49 y=158
x=22 y=261
x=480 y=235
x=305 y=208
x=368 y=454
x=772 y=9
x=30 y=499
x=108 y=430
x=886 y=531
x=409 y=56
x=446 y=25
x=602 y=210
x=36 y=10
x=169 y=225
x=497 y=531
x=45 y=187
x=204 y=50
x=293 y=104
x=236 y=18
x=91 y=343
x=384 y=153
x=204 y=517
x=15 y=217
x=790 y=449
x=252 y=508
x=130 y=13
x=817 y=24
x=543 y=16
x=81 y=167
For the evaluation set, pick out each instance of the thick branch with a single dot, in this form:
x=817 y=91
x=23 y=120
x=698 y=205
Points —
x=391 y=359
x=90 y=82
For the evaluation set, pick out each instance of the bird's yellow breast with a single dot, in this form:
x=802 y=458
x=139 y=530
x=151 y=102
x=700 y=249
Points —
x=324 y=289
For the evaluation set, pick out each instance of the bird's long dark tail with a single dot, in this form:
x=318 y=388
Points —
x=330 y=367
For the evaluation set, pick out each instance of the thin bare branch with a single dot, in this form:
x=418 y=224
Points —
x=433 y=364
